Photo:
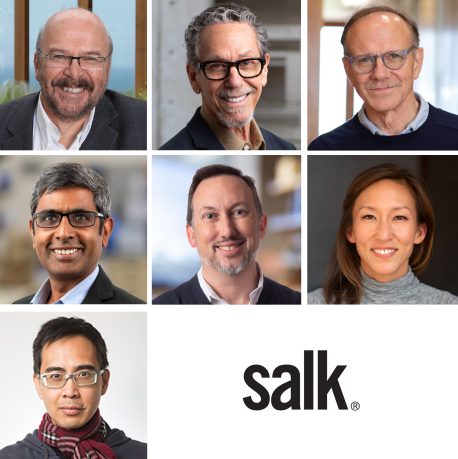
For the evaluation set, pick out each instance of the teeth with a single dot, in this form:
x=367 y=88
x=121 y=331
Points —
x=73 y=90
x=383 y=251
x=65 y=252
x=235 y=99
x=226 y=248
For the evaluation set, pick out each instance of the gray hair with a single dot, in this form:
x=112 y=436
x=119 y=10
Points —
x=69 y=175
x=222 y=13
x=41 y=31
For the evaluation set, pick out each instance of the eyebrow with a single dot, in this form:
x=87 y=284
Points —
x=249 y=53
x=59 y=211
x=393 y=209
x=236 y=204
x=78 y=368
x=62 y=51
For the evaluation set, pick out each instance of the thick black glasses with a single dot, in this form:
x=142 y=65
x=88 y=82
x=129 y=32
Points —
x=247 y=68
x=393 y=60
x=78 y=219
x=60 y=61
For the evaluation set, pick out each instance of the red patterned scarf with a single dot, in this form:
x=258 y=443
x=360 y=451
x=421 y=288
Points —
x=85 y=442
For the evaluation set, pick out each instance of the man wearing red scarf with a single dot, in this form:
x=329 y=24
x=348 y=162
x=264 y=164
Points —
x=71 y=374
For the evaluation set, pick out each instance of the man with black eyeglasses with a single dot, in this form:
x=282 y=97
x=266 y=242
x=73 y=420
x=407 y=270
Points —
x=71 y=374
x=70 y=224
x=73 y=110
x=228 y=62
x=382 y=59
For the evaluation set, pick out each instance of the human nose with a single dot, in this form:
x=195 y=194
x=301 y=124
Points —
x=380 y=71
x=384 y=230
x=70 y=389
x=65 y=230
x=226 y=227
x=73 y=69
x=234 y=79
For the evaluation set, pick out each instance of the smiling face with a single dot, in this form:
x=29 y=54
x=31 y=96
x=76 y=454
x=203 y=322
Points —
x=67 y=253
x=71 y=407
x=385 y=229
x=230 y=101
x=383 y=90
x=70 y=93
x=226 y=227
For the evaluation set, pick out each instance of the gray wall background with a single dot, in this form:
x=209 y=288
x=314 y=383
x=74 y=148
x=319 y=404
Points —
x=328 y=179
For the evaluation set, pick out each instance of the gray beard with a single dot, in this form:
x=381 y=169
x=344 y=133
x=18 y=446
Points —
x=230 y=123
x=232 y=270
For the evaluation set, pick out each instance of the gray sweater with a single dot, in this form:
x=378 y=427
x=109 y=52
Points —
x=406 y=290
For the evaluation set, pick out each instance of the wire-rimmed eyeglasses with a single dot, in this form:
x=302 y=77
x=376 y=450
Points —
x=61 y=61
x=78 y=219
x=219 y=70
x=58 y=379
x=392 y=60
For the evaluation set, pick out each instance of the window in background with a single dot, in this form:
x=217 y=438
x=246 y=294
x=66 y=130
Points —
x=7 y=40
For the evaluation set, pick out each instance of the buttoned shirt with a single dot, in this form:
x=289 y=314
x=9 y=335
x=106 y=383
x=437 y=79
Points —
x=46 y=134
x=214 y=298
x=75 y=296
x=421 y=117
x=231 y=141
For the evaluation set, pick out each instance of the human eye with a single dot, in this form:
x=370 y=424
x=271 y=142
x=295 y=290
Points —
x=84 y=375
x=248 y=63
x=364 y=60
x=216 y=66
x=48 y=217
x=239 y=212
x=400 y=218
x=394 y=56
x=55 y=376
x=209 y=216
x=80 y=217
x=57 y=57
x=91 y=59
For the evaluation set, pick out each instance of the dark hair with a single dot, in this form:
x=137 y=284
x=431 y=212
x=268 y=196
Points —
x=222 y=13
x=381 y=9
x=212 y=171
x=343 y=283
x=63 y=327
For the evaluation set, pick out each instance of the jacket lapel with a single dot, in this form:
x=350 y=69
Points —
x=201 y=134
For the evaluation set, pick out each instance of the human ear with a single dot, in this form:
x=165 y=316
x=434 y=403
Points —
x=191 y=235
x=350 y=236
x=105 y=380
x=265 y=70
x=38 y=386
x=421 y=234
x=107 y=230
x=192 y=75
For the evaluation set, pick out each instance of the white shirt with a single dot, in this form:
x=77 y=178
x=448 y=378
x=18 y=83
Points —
x=213 y=297
x=46 y=134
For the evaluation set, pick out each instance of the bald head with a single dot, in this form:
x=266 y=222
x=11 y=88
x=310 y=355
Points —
x=79 y=20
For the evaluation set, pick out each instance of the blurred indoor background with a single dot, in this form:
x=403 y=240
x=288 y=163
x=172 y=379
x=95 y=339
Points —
x=331 y=100
x=327 y=180
x=278 y=181
x=124 y=259
x=174 y=101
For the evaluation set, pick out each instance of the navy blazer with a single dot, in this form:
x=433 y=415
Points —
x=119 y=124
x=102 y=291
x=190 y=292
x=197 y=135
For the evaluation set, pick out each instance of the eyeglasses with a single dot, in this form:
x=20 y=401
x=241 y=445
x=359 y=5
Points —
x=393 y=60
x=78 y=219
x=60 y=61
x=58 y=379
x=247 y=68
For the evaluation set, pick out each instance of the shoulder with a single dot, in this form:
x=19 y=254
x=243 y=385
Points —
x=316 y=297
x=28 y=448
x=180 y=141
x=273 y=142
x=123 y=297
x=120 y=100
x=125 y=447
x=187 y=293
x=339 y=138
x=275 y=293
x=441 y=117
x=25 y=300
x=432 y=295
x=29 y=101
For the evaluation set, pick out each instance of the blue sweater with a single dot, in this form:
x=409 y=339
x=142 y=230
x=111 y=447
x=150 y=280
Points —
x=439 y=132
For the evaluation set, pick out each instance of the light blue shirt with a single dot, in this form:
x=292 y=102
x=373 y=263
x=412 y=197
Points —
x=418 y=121
x=75 y=296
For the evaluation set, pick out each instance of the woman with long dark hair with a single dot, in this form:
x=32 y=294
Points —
x=384 y=240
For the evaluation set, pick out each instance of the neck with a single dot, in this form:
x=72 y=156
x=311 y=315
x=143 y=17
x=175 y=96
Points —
x=393 y=122
x=234 y=289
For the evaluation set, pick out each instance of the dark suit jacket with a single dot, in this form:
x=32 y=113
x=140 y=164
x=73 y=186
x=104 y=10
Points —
x=190 y=293
x=119 y=124
x=197 y=135
x=102 y=291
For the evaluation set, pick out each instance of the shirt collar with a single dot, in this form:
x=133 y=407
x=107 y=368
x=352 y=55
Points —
x=230 y=140
x=421 y=117
x=75 y=296
x=214 y=298
x=46 y=134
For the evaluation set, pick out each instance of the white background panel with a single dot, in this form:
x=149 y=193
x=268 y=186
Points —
x=401 y=368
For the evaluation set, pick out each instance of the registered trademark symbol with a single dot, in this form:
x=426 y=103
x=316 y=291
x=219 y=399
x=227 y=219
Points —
x=355 y=406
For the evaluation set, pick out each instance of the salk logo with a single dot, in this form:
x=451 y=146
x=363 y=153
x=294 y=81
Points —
x=324 y=385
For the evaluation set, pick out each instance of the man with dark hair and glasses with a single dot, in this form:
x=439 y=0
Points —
x=70 y=372
x=73 y=110
x=227 y=63
x=382 y=59
x=70 y=224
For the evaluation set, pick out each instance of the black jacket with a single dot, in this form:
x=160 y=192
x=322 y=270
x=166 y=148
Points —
x=32 y=448
x=102 y=291
x=191 y=293
x=119 y=124
x=197 y=135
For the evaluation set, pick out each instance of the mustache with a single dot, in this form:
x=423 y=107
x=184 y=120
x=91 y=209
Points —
x=374 y=84
x=67 y=82
x=230 y=239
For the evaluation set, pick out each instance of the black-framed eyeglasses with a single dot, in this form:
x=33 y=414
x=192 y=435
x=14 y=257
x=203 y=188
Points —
x=61 y=61
x=78 y=219
x=250 y=67
x=392 y=60
x=58 y=379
